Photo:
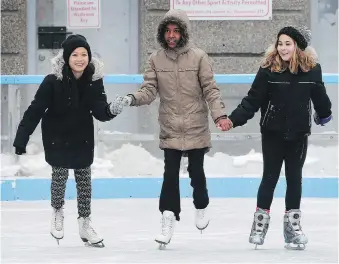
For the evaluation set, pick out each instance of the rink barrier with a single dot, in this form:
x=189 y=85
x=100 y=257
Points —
x=328 y=78
x=113 y=188
x=109 y=188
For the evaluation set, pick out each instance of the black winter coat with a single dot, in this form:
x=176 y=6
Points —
x=66 y=108
x=285 y=102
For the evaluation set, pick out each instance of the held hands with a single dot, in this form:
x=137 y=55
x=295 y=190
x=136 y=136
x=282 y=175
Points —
x=118 y=104
x=224 y=124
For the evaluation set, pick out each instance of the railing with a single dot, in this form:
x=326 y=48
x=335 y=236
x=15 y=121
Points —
x=10 y=98
x=328 y=78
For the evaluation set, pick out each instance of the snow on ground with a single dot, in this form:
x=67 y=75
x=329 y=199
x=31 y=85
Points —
x=135 y=161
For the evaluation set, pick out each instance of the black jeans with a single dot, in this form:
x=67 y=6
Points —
x=276 y=150
x=170 y=192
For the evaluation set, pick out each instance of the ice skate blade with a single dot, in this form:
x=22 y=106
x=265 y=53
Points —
x=162 y=245
x=96 y=245
x=99 y=244
x=291 y=246
x=57 y=238
x=201 y=229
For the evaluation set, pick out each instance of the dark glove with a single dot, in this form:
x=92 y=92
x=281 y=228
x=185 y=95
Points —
x=321 y=121
x=19 y=150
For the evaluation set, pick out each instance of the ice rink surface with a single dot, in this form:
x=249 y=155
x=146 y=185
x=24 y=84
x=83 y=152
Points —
x=129 y=227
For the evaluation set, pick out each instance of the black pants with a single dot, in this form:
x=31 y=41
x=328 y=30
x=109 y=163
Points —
x=170 y=192
x=276 y=150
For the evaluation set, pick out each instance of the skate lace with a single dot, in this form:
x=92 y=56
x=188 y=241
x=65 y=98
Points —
x=58 y=219
x=167 y=225
x=89 y=229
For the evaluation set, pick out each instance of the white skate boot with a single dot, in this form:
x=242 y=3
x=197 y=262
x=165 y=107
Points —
x=57 y=224
x=293 y=234
x=201 y=219
x=88 y=234
x=167 y=228
x=260 y=226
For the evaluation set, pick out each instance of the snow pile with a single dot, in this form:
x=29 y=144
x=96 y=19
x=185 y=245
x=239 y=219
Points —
x=135 y=161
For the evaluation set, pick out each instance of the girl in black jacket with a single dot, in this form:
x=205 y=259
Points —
x=66 y=101
x=288 y=80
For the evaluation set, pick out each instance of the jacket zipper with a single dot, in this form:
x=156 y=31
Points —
x=181 y=122
x=267 y=110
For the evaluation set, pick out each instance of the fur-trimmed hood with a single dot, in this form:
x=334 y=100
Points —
x=180 y=18
x=58 y=64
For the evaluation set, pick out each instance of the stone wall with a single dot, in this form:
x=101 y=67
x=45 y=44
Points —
x=13 y=37
x=234 y=46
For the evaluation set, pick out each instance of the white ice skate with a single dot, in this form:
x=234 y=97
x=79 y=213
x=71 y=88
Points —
x=88 y=234
x=260 y=226
x=293 y=234
x=201 y=219
x=57 y=224
x=167 y=229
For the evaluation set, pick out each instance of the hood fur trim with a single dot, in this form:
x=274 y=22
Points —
x=180 y=18
x=58 y=64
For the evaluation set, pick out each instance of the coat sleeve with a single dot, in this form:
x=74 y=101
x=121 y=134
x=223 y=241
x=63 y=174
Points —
x=99 y=106
x=35 y=112
x=149 y=88
x=321 y=102
x=210 y=90
x=251 y=103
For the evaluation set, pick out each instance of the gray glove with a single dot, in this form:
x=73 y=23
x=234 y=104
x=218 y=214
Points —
x=127 y=100
x=116 y=106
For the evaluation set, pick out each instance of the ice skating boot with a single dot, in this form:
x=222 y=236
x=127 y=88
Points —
x=88 y=234
x=293 y=234
x=57 y=224
x=167 y=228
x=260 y=226
x=201 y=219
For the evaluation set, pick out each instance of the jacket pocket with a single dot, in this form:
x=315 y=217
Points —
x=167 y=126
x=189 y=81
x=167 y=83
x=197 y=123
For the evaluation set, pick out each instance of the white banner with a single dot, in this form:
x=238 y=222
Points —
x=83 y=14
x=225 y=9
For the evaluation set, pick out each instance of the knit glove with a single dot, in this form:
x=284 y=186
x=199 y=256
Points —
x=116 y=106
x=127 y=100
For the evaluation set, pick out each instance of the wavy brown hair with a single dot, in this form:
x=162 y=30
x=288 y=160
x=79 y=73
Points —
x=303 y=59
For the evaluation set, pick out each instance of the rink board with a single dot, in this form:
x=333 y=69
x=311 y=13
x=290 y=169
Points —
x=108 y=188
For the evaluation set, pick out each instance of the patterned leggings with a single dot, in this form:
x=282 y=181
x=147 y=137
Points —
x=84 y=189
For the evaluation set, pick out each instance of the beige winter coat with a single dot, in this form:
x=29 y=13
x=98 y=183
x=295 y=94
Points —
x=184 y=80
